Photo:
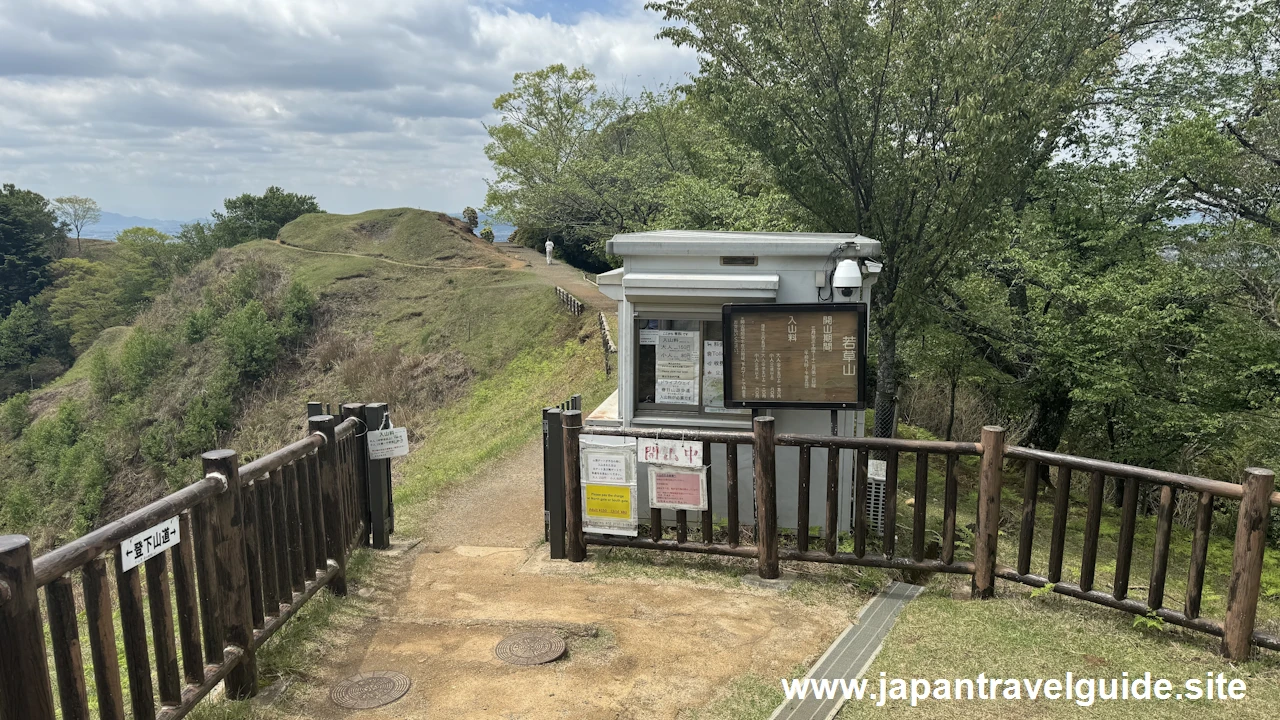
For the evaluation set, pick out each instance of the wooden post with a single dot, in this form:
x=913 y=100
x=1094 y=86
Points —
x=25 y=692
x=989 y=481
x=575 y=545
x=64 y=636
x=1246 y=563
x=232 y=573
x=553 y=481
x=331 y=499
x=379 y=476
x=360 y=463
x=766 y=498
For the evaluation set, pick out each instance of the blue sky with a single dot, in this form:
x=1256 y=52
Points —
x=161 y=108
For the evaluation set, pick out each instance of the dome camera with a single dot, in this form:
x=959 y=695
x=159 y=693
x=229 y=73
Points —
x=847 y=277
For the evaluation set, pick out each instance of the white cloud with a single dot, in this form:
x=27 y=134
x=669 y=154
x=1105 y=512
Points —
x=163 y=107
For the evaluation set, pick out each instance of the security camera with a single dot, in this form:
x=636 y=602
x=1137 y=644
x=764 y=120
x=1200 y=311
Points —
x=847 y=277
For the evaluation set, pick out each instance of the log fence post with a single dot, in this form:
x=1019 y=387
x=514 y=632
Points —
x=331 y=499
x=766 y=498
x=360 y=465
x=25 y=690
x=553 y=496
x=987 y=536
x=575 y=547
x=232 y=586
x=379 y=477
x=1246 y=563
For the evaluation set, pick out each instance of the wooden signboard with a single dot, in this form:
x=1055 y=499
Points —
x=795 y=356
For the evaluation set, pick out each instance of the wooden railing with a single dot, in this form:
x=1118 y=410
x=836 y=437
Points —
x=573 y=304
x=607 y=345
x=255 y=542
x=1255 y=498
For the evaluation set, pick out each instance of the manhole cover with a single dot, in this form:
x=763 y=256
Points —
x=370 y=690
x=533 y=648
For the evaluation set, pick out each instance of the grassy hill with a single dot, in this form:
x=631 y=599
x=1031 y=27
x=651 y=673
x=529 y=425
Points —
x=403 y=234
x=465 y=354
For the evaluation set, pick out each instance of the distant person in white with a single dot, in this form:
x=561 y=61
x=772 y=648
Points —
x=550 y=246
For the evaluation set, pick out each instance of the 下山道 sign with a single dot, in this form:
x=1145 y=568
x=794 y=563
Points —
x=802 y=356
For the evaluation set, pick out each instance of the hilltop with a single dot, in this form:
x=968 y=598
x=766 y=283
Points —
x=338 y=309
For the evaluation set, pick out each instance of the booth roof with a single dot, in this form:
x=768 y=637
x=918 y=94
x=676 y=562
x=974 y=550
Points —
x=716 y=243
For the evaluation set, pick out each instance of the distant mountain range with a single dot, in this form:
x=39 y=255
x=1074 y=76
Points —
x=112 y=223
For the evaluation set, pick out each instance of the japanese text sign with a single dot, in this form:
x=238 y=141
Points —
x=805 y=355
x=149 y=543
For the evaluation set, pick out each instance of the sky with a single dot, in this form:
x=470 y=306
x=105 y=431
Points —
x=162 y=108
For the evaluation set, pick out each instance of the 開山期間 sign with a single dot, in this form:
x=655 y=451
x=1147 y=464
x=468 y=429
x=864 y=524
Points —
x=795 y=356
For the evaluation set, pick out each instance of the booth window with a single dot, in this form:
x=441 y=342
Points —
x=680 y=366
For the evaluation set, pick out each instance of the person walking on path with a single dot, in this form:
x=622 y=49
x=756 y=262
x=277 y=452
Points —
x=550 y=246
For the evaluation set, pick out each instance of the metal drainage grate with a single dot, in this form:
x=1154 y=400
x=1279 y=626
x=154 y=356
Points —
x=370 y=690
x=532 y=648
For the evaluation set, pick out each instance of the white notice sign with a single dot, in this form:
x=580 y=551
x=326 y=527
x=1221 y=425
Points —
x=385 y=444
x=608 y=467
x=149 y=543
x=677 y=367
x=669 y=452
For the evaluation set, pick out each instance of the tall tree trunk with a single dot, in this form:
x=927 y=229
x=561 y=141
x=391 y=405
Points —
x=886 y=380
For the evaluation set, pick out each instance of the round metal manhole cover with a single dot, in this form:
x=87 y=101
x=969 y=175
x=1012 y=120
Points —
x=370 y=690
x=532 y=648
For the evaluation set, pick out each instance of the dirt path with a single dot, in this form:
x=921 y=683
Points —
x=510 y=263
x=637 y=648
x=560 y=273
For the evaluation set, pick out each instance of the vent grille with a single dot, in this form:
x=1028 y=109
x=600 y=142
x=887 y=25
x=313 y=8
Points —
x=739 y=260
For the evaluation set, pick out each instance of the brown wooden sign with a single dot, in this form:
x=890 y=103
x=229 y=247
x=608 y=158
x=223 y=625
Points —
x=801 y=356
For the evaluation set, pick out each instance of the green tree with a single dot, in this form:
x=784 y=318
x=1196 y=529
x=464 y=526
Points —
x=486 y=233
x=251 y=217
x=577 y=165
x=909 y=122
x=77 y=213
x=29 y=236
x=151 y=259
x=85 y=300
x=470 y=217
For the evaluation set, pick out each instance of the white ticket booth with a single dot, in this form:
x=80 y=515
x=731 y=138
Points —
x=671 y=292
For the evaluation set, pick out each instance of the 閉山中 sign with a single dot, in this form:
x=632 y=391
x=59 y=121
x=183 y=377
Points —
x=678 y=488
x=385 y=444
x=802 y=356
x=149 y=543
x=669 y=452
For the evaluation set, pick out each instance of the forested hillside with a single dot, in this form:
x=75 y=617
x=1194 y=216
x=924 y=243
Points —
x=1078 y=203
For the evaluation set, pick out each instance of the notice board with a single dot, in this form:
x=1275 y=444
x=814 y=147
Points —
x=811 y=355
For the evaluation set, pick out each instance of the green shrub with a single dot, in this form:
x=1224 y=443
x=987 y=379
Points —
x=296 y=312
x=250 y=339
x=15 y=414
x=207 y=414
x=104 y=377
x=200 y=323
x=157 y=443
x=144 y=356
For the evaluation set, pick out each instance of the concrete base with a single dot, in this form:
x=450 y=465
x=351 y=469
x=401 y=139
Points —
x=781 y=584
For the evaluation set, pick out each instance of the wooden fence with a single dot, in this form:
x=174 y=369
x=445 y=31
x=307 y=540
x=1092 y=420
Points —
x=255 y=543
x=606 y=342
x=573 y=304
x=1255 y=496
